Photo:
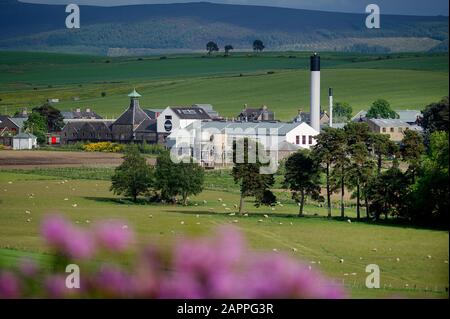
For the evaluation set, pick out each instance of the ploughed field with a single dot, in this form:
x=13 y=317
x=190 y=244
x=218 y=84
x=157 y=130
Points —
x=413 y=262
x=50 y=159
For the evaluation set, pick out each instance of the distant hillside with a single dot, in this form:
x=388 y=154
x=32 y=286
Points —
x=187 y=27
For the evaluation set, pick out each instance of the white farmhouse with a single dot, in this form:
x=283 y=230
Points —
x=24 y=141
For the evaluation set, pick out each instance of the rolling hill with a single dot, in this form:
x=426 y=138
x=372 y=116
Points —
x=142 y=29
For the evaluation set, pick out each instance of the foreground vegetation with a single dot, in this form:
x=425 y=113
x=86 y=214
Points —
x=315 y=238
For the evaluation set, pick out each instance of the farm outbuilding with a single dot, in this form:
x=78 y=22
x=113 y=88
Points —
x=24 y=141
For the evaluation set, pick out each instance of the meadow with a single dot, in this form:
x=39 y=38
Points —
x=413 y=261
x=278 y=80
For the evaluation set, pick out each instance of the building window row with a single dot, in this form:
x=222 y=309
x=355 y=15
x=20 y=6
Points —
x=305 y=140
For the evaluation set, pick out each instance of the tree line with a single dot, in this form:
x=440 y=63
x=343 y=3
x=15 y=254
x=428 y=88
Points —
x=406 y=180
x=211 y=47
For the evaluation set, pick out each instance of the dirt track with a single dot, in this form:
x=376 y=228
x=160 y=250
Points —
x=42 y=159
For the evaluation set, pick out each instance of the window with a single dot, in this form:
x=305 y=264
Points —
x=392 y=130
x=297 y=140
x=168 y=117
x=304 y=139
x=310 y=140
x=384 y=130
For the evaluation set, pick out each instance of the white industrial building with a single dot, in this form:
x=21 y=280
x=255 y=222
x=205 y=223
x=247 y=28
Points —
x=211 y=143
x=175 y=118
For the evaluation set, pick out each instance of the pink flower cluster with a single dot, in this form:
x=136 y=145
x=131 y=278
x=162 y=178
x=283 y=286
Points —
x=211 y=267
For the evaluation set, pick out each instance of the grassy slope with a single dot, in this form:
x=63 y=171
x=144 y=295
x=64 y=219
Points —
x=407 y=81
x=316 y=239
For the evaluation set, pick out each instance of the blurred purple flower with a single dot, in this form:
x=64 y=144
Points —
x=28 y=267
x=113 y=235
x=55 y=287
x=221 y=266
x=67 y=239
x=9 y=286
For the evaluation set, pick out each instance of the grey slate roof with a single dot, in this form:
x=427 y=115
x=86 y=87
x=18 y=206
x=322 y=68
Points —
x=389 y=123
x=134 y=115
x=71 y=115
x=23 y=136
x=255 y=113
x=191 y=113
x=208 y=108
x=249 y=128
x=148 y=125
x=5 y=119
x=409 y=116
x=19 y=121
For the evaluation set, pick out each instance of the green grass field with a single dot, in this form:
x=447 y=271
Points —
x=315 y=238
x=274 y=79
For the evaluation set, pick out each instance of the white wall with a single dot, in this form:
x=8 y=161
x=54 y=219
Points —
x=302 y=130
x=24 y=144
x=177 y=123
x=162 y=120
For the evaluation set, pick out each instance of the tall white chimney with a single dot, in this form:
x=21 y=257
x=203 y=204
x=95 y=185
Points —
x=315 y=92
x=330 y=96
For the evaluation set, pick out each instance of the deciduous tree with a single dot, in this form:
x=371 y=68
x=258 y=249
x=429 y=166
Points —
x=302 y=177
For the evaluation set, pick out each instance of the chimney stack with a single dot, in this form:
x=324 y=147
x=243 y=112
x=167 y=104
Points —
x=330 y=96
x=315 y=92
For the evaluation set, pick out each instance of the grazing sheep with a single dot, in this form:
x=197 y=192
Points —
x=198 y=216
x=75 y=205
x=151 y=216
x=260 y=221
x=266 y=216
x=275 y=250
x=220 y=199
x=28 y=220
x=349 y=221
x=294 y=250
x=235 y=221
x=429 y=256
x=374 y=249
x=88 y=221
x=341 y=261
x=245 y=215
x=205 y=202
x=397 y=259
x=227 y=208
x=10 y=182
x=182 y=223
x=125 y=227
x=232 y=214
x=27 y=212
x=66 y=199
x=224 y=205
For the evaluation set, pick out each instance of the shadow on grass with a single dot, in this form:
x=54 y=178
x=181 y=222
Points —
x=199 y=210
